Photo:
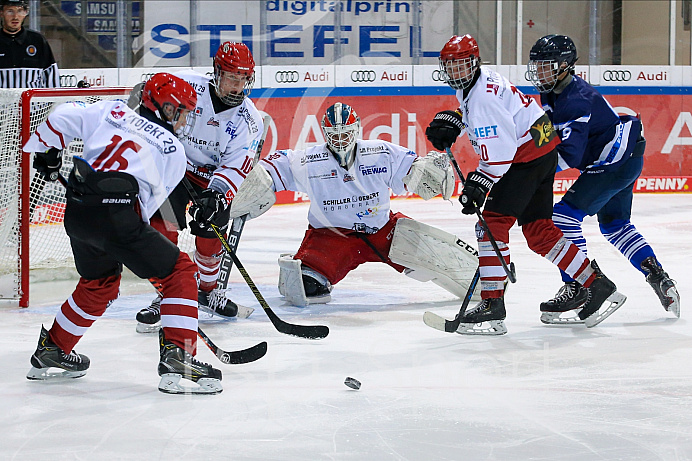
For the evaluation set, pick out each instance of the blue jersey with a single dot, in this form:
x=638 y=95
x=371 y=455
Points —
x=594 y=136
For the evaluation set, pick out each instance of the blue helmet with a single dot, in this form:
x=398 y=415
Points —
x=549 y=57
x=341 y=126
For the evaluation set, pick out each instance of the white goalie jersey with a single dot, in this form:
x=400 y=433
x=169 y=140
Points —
x=221 y=146
x=118 y=139
x=357 y=198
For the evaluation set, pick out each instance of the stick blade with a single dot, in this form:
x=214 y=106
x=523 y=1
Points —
x=440 y=323
x=304 y=331
x=248 y=355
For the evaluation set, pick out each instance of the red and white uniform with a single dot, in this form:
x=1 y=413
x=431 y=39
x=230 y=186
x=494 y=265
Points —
x=118 y=139
x=498 y=119
x=346 y=206
x=506 y=129
x=220 y=151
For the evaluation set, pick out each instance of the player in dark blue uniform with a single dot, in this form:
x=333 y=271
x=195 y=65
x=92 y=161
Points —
x=608 y=149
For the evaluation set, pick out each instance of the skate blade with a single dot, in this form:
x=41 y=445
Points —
x=145 y=328
x=674 y=306
x=616 y=300
x=489 y=328
x=555 y=318
x=44 y=374
x=170 y=384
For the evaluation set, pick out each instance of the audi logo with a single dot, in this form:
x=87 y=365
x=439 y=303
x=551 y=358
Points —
x=437 y=76
x=145 y=77
x=617 y=76
x=286 y=76
x=68 y=80
x=362 y=76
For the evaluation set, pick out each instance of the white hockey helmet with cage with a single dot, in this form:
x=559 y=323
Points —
x=341 y=126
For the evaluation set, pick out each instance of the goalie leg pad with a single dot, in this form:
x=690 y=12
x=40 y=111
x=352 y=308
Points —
x=433 y=254
x=292 y=284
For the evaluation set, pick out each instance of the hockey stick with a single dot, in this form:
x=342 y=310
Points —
x=302 y=331
x=236 y=227
x=251 y=354
x=511 y=274
x=450 y=326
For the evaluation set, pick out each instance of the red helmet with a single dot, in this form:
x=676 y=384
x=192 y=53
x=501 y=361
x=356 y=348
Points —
x=459 y=60
x=168 y=96
x=233 y=61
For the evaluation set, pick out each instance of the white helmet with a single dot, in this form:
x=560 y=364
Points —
x=341 y=125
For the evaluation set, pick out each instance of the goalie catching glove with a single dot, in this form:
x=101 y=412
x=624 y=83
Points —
x=476 y=187
x=444 y=129
x=210 y=208
x=431 y=175
x=48 y=163
x=255 y=195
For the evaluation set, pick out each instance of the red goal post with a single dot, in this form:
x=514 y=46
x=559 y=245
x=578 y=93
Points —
x=32 y=235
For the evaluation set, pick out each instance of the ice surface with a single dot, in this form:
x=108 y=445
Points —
x=619 y=391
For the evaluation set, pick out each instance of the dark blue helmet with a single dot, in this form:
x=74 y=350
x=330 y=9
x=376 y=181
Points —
x=549 y=57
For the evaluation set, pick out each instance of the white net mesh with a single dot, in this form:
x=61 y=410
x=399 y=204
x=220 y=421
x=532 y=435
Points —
x=48 y=244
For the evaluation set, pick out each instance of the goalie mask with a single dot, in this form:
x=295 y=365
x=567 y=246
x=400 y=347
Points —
x=341 y=126
x=549 y=57
x=234 y=73
x=459 y=61
x=173 y=100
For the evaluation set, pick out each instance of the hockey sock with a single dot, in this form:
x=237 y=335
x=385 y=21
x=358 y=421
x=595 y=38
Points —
x=625 y=237
x=568 y=219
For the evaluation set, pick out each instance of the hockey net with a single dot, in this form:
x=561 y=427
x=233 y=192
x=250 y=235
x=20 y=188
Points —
x=33 y=242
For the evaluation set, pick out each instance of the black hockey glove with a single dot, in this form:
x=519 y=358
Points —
x=211 y=208
x=48 y=163
x=444 y=129
x=476 y=187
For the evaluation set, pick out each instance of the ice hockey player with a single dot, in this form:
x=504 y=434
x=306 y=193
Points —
x=220 y=151
x=516 y=144
x=608 y=149
x=129 y=164
x=350 y=222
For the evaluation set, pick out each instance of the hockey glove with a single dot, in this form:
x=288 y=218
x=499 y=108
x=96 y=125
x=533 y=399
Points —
x=48 y=163
x=210 y=208
x=476 y=187
x=444 y=129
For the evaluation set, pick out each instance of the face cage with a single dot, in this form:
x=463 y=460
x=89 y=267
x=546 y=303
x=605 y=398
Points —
x=233 y=99
x=545 y=79
x=341 y=139
x=458 y=67
x=191 y=119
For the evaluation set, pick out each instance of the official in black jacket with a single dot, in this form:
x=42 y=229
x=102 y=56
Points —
x=26 y=60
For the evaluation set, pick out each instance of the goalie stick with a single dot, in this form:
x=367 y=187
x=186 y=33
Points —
x=511 y=274
x=250 y=354
x=237 y=224
x=302 y=331
x=450 y=326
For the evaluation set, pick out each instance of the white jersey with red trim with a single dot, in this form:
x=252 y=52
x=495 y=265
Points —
x=118 y=139
x=357 y=198
x=221 y=146
x=498 y=118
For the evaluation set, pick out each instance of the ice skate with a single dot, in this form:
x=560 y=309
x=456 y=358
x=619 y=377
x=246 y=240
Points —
x=177 y=364
x=217 y=302
x=571 y=296
x=48 y=355
x=663 y=285
x=601 y=291
x=149 y=318
x=487 y=318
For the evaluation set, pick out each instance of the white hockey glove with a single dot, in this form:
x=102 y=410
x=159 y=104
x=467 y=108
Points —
x=255 y=195
x=431 y=175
